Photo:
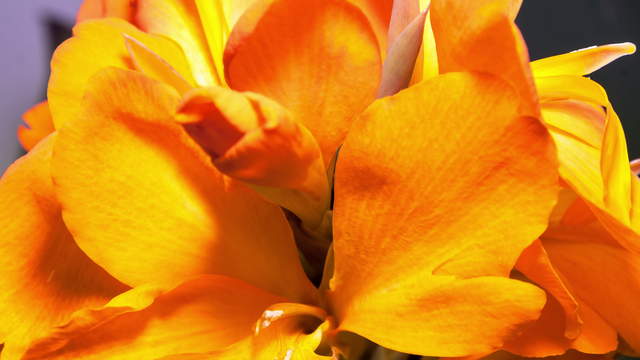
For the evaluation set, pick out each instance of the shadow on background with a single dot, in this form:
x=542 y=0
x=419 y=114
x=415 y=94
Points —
x=555 y=27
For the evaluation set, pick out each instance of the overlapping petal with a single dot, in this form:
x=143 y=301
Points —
x=45 y=276
x=160 y=211
x=255 y=140
x=38 y=125
x=469 y=34
x=205 y=314
x=98 y=44
x=180 y=20
x=324 y=68
x=445 y=239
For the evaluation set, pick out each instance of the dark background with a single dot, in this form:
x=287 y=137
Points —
x=552 y=27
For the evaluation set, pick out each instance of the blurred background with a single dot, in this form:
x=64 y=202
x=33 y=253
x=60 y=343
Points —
x=31 y=29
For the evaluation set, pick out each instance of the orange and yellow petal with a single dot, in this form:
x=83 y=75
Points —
x=45 y=276
x=253 y=139
x=422 y=224
x=324 y=68
x=468 y=36
x=98 y=44
x=581 y=62
x=159 y=210
x=205 y=314
x=566 y=321
x=38 y=125
x=181 y=21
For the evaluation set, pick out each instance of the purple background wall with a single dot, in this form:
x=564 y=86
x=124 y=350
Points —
x=25 y=39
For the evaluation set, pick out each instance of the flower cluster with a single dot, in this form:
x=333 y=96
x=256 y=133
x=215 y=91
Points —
x=318 y=179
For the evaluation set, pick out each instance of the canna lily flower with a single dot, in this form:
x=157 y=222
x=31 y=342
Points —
x=138 y=237
x=583 y=311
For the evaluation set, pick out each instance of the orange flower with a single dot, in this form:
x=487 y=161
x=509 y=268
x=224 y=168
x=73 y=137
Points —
x=136 y=230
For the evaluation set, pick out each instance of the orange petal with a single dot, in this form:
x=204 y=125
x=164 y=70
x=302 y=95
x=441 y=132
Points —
x=566 y=322
x=379 y=14
x=469 y=34
x=180 y=20
x=330 y=35
x=391 y=211
x=158 y=209
x=289 y=331
x=603 y=275
x=98 y=44
x=581 y=62
x=254 y=139
x=152 y=65
x=39 y=125
x=208 y=313
x=45 y=276
x=534 y=263
x=95 y=9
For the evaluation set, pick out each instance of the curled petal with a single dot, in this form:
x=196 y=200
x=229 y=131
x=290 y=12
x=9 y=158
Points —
x=325 y=72
x=180 y=20
x=160 y=211
x=39 y=125
x=45 y=276
x=401 y=60
x=581 y=62
x=98 y=44
x=96 y=9
x=204 y=314
x=253 y=139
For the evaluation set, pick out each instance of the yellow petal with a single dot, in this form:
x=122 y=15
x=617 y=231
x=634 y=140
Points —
x=145 y=202
x=98 y=44
x=39 y=125
x=45 y=276
x=152 y=65
x=378 y=13
x=255 y=140
x=601 y=273
x=208 y=313
x=581 y=62
x=325 y=72
x=180 y=21
x=398 y=223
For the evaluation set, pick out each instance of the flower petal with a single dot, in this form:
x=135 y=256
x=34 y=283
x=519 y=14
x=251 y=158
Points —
x=203 y=314
x=145 y=202
x=400 y=219
x=324 y=69
x=566 y=322
x=581 y=62
x=255 y=140
x=599 y=274
x=378 y=13
x=95 y=9
x=98 y=44
x=45 y=276
x=39 y=125
x=468 y=35
x=180 y=21
x=289 y=331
